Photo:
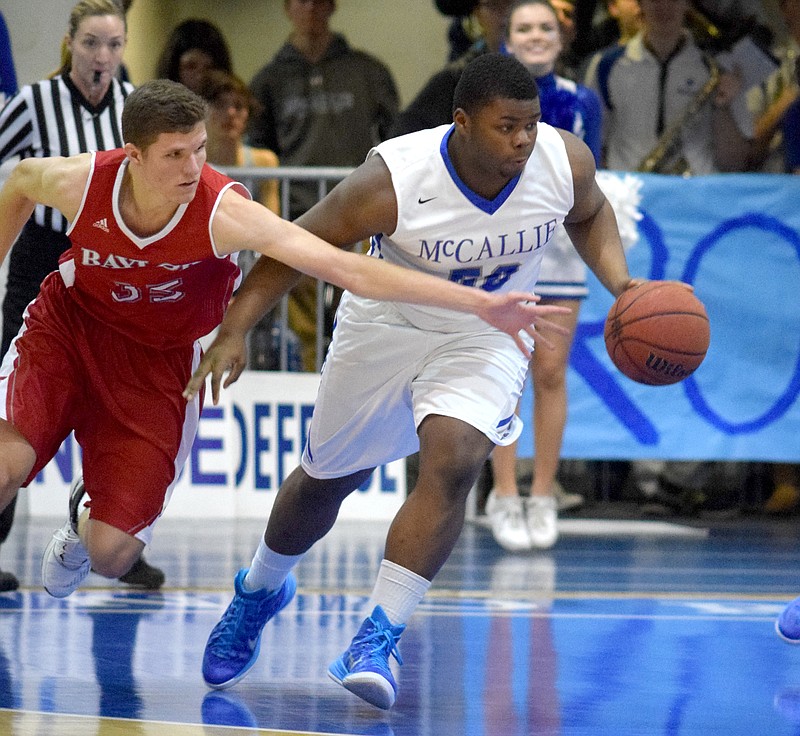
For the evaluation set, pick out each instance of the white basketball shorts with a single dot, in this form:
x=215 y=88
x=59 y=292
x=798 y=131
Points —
x=382 y=376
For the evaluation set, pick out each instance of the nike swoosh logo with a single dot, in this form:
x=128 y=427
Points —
x=423 y=201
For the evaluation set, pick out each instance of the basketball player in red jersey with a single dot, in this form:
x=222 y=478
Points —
x=109 y=344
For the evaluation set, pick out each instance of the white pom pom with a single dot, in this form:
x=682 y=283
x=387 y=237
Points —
x=623 y=194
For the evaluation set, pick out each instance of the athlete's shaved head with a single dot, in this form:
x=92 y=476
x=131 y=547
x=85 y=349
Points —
x=490 y=77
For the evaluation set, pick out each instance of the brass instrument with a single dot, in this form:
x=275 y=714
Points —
x=658 y=160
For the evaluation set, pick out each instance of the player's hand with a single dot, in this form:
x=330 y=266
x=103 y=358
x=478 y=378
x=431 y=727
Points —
x=227 y=354
x=632 y=284
x=518 y=312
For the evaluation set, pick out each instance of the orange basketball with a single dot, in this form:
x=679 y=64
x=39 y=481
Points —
x=657 y=333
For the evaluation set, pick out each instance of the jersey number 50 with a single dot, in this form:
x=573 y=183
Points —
x=475 y=277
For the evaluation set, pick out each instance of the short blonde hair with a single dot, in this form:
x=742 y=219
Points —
x=160 y=106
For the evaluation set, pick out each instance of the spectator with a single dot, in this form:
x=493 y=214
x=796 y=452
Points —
x=655 y=80
x=230 y=104
x=670 y=108
x=323 y=103
x=433 y=105
x=194 y=47
x=534 y=38
x=87 y=90
x=777 y=105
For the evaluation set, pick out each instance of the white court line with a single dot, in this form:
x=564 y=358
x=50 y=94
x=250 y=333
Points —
x=35 y=722
x=617 y=528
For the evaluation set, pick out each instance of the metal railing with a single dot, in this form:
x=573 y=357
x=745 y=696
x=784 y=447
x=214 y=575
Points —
x=325 y=178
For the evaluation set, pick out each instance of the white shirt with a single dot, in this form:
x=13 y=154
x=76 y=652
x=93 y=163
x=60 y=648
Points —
x=638 y=95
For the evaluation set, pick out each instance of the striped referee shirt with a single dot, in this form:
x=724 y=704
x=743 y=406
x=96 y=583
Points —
x=52 y=118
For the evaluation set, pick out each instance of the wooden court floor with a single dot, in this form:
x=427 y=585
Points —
x=625 y=628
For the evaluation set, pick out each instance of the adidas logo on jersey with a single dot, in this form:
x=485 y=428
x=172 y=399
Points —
x=102 y=224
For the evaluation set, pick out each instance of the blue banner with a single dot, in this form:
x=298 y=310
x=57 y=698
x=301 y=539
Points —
x=736 y=239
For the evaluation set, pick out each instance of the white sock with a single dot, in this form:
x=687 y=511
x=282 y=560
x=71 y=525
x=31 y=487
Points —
x=397 y=591
x=268 y=569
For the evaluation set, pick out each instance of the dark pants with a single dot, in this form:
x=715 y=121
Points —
x=34 y=255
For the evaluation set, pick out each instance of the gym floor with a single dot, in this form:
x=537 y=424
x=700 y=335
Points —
x=627 y=627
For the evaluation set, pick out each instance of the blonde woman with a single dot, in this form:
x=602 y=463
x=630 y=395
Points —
x=535 y=37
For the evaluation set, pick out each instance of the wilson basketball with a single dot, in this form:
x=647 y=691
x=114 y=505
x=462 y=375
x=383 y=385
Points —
x=657 y=333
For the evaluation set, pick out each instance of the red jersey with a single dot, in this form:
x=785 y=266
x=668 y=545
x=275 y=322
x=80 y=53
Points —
x=164 y=290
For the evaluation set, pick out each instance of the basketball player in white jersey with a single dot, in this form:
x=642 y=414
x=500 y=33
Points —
x=475 y=203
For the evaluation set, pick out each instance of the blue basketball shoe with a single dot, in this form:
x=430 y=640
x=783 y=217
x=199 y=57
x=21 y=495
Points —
x=364 y=668
x=235 y=642
x=788 y=623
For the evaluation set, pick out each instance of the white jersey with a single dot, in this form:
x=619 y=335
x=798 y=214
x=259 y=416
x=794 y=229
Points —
x=445 y=229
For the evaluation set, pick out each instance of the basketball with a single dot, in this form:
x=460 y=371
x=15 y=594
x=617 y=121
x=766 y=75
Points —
x=657 y=333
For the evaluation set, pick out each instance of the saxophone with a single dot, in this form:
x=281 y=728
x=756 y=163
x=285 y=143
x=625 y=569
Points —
x=658 y=160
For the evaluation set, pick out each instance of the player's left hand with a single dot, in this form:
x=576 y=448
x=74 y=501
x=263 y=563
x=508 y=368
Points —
x=636 y=282
x=225 y=358
x=517 y=312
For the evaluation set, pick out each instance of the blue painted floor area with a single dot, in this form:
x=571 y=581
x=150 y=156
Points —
x=622 y=632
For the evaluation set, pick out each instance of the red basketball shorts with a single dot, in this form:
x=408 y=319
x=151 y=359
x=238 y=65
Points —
x=66 y=371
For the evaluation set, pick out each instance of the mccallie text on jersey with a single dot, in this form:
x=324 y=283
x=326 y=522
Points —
x=469 y=250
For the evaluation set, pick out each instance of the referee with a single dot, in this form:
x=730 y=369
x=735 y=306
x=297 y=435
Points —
x=79 y=109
